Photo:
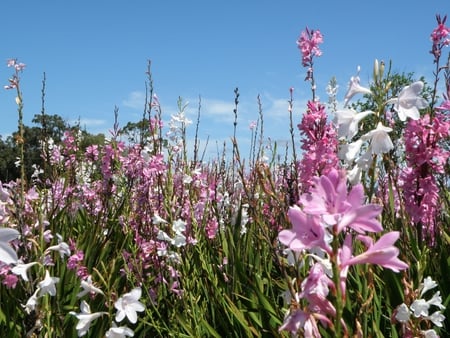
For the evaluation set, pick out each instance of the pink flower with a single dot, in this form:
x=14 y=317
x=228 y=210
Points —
x=440 y=37
x=319 y=144
x=315 y=289
x=306 y=232
x=329 y=200
x=299 y=319
x=308 y=43
x=382 y=253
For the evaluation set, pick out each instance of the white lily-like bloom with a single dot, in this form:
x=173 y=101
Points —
x=355 y=88
x=380 y=141
x=178 y=227
x=128 y=305
x=347 y=122
x=21 y=269
x=31 y=302
x=429 y=334
x=85 y=318
x=119 y=332
x=428 y=284
x=365 y=160
x=408 y=102
x=437 y=318
x=420 y=306
x=354 y=175
x=7 y=254
x=48 y=285
x=62 y=247
x=88 y=287
x=348 y=152
x=156 y=219
x=402 y=313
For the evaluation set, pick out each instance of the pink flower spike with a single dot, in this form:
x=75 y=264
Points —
x=382 y=253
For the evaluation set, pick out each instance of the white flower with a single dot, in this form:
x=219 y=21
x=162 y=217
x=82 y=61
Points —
x=348 y=152
x=31 y=302
x=88 y=287
x=437 y=318
x=48 y=285
x=128 y=305
x=355 y=88
x=162 y=236
x=409 y=102
x=429 y=334
x=21 y=269
x=179 y=240
x=428 y=284
x=156 y=219
x=119 y=332
x=347 y=122
x=85 y=318
x=7 y=254
x=436 y=300
x=380 y=140
x=354 y=175
x=402 y=314
x=420 y=308
x=365 y=161
x=61 y=247
x=179 y=226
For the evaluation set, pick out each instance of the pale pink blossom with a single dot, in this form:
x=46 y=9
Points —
x=383 y=252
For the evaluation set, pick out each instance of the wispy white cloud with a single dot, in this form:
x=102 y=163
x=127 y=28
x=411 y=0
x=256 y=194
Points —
x=135 y=100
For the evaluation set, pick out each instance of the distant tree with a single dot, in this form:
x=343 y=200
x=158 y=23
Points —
x=52 y=126
x=49 y=127
x=136 y=132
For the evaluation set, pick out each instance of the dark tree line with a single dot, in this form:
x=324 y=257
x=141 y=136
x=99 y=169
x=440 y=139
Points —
x=44 y=127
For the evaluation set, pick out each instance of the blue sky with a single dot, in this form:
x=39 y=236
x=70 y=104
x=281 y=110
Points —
x=95 y=53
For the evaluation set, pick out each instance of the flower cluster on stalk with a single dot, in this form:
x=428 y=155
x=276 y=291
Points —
x=325 y=225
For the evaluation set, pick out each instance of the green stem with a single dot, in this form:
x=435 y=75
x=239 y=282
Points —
x=336 y=278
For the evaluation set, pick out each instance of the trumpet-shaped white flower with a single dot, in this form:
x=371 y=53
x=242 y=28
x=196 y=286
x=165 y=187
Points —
x=31 y=302
x=355 y=88
x=437 y=318
x=88 y=287
x=347 y=121
x=408 y=102
x=7 y=254
x=22 y=269
x=402 y=313
x=380 y=140
x=119 y=332
x=62 y=247
x=430 y=334
x=128 y=305
x=354 y=175
x=48 y=285
x=85 y=318
x=348 y=152
x=428 y=284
